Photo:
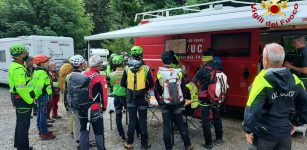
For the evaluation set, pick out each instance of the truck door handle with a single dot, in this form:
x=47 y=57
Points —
x=246 y=74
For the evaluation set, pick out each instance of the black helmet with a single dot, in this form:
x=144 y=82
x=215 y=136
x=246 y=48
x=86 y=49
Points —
x=134 y=65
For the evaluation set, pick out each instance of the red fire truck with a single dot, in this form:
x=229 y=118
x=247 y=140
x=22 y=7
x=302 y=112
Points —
x=237 y=32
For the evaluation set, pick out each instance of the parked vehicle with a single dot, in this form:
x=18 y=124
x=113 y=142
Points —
x=58 y=48
x=237 y=33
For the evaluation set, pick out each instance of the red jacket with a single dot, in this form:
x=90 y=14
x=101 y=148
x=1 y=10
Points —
x=98 y=85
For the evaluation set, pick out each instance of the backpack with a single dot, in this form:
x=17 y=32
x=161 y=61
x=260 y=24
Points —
x=170 y=81
x=65 y=70
x=78 y=91
x=217 y=88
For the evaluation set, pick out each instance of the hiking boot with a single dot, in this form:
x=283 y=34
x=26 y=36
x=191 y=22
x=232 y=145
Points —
x=128 y=146
x=49 y=132
x=56 y=117
x=49 y=120
x=47 y=136
x=148 y=146
x=92 y=144
x=218 y=142
x=49 y=125
x=209 y=146
x=189 y=147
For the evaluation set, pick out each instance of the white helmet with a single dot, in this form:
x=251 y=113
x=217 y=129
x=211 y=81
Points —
x=76 y=60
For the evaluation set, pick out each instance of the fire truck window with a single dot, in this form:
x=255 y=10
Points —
x=232 y=45
x=2 y=56
x=288 y=44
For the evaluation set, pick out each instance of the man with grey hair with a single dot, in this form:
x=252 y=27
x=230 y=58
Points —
x=300 y=65
x=98 y=104
x=274 y=91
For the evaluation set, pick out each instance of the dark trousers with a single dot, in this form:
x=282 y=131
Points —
x=173 y=114
x=262 y=144
x=134 y=112
x=206 y=123
x=120 y=103
x=23 y=116
x=98 y=131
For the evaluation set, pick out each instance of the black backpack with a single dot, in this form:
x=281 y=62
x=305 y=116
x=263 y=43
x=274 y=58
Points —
x=78 y=90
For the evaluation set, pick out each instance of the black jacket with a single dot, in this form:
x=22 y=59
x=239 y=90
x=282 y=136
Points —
x=274 y=92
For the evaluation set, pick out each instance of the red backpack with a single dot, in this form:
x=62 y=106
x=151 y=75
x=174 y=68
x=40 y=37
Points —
x=217 y=87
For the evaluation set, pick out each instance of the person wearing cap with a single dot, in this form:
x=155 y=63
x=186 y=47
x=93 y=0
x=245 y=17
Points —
x=137 y=80
x=43 y=91
x=21 y=95
x=202 y=78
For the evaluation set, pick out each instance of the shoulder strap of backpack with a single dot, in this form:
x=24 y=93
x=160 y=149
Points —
x=91 y=85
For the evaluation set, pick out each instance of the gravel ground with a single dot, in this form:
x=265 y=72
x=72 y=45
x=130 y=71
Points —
x=233 y=135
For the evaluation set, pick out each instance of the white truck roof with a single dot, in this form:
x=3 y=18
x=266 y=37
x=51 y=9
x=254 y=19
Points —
x=211 y=19
x=37 y=37
x=99 y=51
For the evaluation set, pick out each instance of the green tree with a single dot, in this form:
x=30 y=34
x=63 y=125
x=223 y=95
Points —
x=100 y=16
x=45 y=17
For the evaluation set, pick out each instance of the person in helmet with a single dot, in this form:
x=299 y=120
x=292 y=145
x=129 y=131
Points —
x=103 y=69
x=110 y=67
x=138 y=80
x=42 y=90
x=20 y=95
x=78 y=63
x=119 y=93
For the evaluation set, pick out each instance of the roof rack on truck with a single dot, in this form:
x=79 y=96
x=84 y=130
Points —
x=209 y=7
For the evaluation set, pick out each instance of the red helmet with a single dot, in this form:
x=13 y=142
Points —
x=40 y=59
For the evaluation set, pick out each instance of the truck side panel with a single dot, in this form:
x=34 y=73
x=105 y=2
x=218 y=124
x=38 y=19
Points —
x=241 y=70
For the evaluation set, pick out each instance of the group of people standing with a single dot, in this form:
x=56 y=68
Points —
x=129 y=85
x=274 y=93
x=33 y=84
x=37 y=85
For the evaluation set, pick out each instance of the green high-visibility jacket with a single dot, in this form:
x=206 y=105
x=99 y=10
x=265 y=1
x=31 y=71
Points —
x=18 y=80
x=41 y=82
x=115 y=79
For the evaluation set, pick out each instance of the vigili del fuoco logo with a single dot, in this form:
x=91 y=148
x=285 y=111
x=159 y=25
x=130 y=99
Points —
x=274 y=8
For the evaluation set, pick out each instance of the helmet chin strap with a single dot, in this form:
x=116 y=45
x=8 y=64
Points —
x=18 y=60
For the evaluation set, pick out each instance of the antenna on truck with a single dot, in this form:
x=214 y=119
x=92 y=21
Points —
x=186 y=9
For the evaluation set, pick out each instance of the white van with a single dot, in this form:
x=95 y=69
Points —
x=58 y=48
x=103 y=53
